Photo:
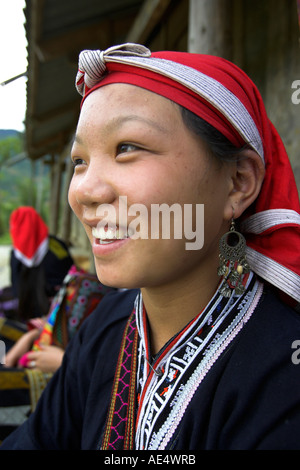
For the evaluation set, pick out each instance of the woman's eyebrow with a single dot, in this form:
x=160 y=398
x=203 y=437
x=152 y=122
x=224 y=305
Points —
x=118 y=122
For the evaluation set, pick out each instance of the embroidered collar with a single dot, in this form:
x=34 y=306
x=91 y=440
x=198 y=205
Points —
x=147 y=402
x=184 y=363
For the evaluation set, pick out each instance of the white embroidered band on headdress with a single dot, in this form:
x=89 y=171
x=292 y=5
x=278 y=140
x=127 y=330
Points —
x=92 y=69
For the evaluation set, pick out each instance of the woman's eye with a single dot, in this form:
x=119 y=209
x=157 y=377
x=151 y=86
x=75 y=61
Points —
x=77 y=161
x=125 y=148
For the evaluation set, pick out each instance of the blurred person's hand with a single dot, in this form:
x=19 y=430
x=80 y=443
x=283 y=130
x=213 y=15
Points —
x=48 y=359
x=21 y=347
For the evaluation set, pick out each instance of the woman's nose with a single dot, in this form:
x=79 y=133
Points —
x=92 y=187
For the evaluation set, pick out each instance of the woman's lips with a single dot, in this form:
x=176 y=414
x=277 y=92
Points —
x=104 y=242
x=105 y=247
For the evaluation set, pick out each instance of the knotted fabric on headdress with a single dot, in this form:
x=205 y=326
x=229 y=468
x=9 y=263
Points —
x=29 y=235
x=223 y=95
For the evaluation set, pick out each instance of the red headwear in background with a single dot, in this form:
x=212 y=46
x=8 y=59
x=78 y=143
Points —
x=223 y=95
x=29 y=235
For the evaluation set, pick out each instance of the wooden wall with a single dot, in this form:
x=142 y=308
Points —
x=262 y=37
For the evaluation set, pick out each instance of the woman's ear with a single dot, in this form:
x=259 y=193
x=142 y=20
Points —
x=247 y=178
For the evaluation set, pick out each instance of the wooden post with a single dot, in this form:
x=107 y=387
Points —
x=56 y=175
x=31 y=191
x=39 y=186
x=52 y=186
x=66 y=209
x=210 y=28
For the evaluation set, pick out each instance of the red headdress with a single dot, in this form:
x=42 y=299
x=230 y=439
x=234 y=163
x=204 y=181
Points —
x=223 y=95
x=29 y=235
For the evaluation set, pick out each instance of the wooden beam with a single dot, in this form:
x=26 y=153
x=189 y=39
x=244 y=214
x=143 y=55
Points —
x=35 y=16
x=72 y=106
x=64 y=43
x=149 y=16
x=54 y=143
x=70 y=42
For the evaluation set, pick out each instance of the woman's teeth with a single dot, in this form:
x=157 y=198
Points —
x=107 y=235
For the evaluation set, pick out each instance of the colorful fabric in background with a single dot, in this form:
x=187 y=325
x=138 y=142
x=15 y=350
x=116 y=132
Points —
x=77 y=298
x=20 y=389
x=83 y=292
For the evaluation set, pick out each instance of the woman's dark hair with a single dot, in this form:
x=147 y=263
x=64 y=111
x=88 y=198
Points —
x=216 y=142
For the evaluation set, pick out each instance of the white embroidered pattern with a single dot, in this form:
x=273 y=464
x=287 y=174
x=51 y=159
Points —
x=185 y=365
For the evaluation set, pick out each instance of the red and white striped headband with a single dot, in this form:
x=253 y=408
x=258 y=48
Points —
x=223 y=95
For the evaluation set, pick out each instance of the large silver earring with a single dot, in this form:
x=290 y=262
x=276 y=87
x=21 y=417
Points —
x=232 y=261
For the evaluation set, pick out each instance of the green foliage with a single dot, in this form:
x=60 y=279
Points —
x=5 y=239
x=10 y=146
x=21 y=184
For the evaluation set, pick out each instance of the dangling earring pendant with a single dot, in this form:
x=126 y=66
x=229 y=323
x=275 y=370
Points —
x=233 y=264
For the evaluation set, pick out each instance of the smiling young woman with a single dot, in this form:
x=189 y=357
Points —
x=188 y=356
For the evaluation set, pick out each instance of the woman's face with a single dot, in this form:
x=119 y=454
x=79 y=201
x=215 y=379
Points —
x=132 y=153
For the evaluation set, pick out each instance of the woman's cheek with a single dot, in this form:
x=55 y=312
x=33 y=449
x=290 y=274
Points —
x=72 y=198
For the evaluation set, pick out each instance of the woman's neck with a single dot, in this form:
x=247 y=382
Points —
x=170 y=308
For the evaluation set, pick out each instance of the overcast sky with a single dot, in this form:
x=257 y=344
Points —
x=13 y=61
